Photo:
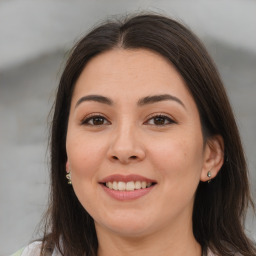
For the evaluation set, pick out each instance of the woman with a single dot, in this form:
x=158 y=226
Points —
x=146 y=157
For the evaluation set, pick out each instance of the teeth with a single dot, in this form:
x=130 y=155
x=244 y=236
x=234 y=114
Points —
x=121 y=185
x=149 y=184
x=128 y=186
x=137 y=185
x=109 y=185
x=114 y=186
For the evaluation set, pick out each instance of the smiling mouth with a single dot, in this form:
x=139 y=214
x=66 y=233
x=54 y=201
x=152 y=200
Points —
x=128 y=186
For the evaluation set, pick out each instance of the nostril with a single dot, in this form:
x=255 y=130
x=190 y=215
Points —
x=124 y=159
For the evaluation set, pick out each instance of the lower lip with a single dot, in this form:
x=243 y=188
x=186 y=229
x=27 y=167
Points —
x=127 y=195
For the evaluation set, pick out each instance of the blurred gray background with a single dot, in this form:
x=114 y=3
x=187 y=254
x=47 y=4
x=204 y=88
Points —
x=35 y=36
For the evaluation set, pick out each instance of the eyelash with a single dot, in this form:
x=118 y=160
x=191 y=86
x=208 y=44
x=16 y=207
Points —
x=93 y=117
x=162 y=116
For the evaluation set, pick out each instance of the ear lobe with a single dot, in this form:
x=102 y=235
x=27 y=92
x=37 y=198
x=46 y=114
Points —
x=213 y=158
x=67 y=166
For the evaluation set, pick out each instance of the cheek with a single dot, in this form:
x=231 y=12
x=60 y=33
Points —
x=84 y=154
x=178 y=159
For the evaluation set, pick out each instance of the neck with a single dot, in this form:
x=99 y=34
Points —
x=175 y=243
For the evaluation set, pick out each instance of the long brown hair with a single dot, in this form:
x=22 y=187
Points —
x=219 y=207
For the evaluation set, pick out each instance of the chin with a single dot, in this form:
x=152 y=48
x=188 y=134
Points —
x=126 y=227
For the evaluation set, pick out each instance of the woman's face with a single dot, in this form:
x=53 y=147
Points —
x=134 y=143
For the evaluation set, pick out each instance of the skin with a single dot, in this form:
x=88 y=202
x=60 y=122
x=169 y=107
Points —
x=129 y=140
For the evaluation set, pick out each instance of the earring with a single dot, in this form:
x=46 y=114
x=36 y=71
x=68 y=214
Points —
x=209 y=175
x=68 y=176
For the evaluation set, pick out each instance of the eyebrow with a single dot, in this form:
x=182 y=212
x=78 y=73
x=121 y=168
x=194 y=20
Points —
x=144 y=101
x=158 y=98
x=97 y=98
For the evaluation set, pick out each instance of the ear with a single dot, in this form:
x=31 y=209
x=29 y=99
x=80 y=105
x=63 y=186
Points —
x=67 y=167
x=213 y=157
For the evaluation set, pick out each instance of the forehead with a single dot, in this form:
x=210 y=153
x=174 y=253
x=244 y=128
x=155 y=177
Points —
x=130 y=72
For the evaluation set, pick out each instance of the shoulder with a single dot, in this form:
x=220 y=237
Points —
x=210 y=253
x=32 y=249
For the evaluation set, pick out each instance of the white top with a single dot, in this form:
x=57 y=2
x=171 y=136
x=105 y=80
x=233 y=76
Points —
x=34 y=248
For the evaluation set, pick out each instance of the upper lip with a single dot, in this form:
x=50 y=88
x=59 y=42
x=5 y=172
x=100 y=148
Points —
x=126 y=178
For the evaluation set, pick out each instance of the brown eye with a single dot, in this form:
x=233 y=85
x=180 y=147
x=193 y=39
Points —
x=98 y=121
x=95 y=120
x=160 y=120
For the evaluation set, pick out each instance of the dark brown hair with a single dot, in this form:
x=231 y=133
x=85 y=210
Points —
x=219 y=207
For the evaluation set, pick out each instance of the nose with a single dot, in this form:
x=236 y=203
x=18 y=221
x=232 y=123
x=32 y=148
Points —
x=126 y=147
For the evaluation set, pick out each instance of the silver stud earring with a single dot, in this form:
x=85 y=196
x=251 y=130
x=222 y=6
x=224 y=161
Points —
x=209 y=175
x=68 y=176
